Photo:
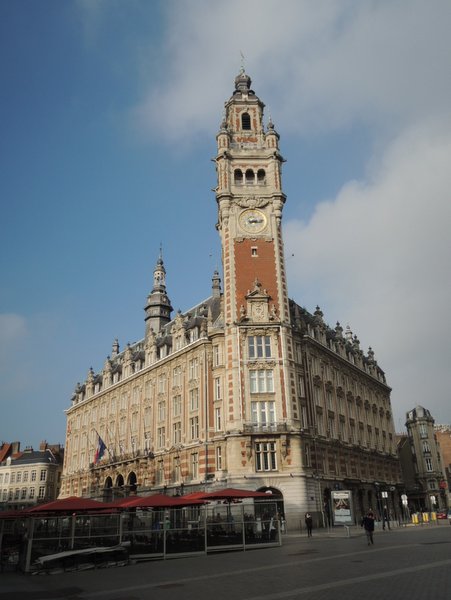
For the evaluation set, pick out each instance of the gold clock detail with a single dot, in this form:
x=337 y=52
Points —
x=252 y=220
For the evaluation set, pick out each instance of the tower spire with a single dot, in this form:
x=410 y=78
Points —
x=158 y=306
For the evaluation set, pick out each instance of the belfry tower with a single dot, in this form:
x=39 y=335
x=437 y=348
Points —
x=250 y=203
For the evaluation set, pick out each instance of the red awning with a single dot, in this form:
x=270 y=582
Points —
x=71 y=504
x=234 y=494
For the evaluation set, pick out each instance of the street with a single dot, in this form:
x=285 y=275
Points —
x=405 y=563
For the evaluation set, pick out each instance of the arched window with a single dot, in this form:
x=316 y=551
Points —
x=250 y=176
x=238 y=176
x=261 y=175
x=246 y=121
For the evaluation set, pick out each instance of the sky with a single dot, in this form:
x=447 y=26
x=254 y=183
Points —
x=109 y=112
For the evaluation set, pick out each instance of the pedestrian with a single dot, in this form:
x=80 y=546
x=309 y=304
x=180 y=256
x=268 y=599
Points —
x=368 y=525
x=386 y=518
x=309 y=523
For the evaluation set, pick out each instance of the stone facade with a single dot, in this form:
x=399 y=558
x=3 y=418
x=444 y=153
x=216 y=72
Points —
x=421 y=462
x=246 y=389
x=31 y=476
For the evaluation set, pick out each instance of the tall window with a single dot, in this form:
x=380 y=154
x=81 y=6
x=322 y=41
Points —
x=161 y=411
x=194 y=427
x=195 y=465
x=261 y=381
x=162 y=384
x=160 y=472
x=423 y=430
x=265 y=456
x=217 y=360
x=428 y=462
x=218 y=458
x=194 y=399
x=177 y=376
x=177 y=406
x=246 y=121
x=263 y=413
x=177 y=432
x=218 y=388
x=161 y=436
x=259 y=346
x=193 y=368
x=218 y=420
x=41 y=493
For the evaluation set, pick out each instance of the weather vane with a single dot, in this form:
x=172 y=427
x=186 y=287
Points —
x=242 y=61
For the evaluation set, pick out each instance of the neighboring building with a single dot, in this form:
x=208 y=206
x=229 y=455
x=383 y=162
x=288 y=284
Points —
x=247 y=388
x=29 y=477
x=443 y=434
x=421 y=463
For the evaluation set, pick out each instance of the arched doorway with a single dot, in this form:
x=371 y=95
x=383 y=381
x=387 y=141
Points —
x=107 y=494
x=274 y=495
x=132 y=483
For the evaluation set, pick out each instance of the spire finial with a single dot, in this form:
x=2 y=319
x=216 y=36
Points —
x=242 y=70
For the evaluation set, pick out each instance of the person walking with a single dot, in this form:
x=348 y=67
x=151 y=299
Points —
x=309 y=523
x=368 y=525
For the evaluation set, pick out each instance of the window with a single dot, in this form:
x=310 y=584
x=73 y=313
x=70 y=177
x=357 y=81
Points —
x=308 y=456
x=331 y=427
x=250 y=177
x=304 y=418
x=261 y=176
x=161 y=437
x=16 y=494
x=194 y=427
x=31 y=494
x=265 y=456
x=259 y=346
x=217 y=355
x=261 y=381
x=161 y=411
x=41 y=493
x=218 y=388
x=160 y=472
x=176 y=406
x=263 y=413
x=177 y=376
x=195 y=465
x=218 y=420
x=246 y=121
x=194 y=399
x=23 y=494
x=177 y=470
x=423 y=430
x=428 y=462
x=218 y=458
x=13 y=477
x=33 y=476
x=238 y=176
x=162 y=384
x=426 y=448
x=43 y=475
x=193 y=369
x=254 y=251
x=177 y=432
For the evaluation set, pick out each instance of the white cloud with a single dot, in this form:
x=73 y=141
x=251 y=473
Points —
x=323 y=65
x=377 y=256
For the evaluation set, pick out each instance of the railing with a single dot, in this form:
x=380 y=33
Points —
x=265 y=428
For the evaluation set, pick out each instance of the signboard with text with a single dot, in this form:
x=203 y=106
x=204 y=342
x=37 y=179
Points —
x=342 y=507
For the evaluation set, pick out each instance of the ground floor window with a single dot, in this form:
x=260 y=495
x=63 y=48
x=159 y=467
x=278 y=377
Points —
x=265 y=456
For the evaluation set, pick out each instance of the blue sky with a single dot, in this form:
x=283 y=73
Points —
x=109 y=114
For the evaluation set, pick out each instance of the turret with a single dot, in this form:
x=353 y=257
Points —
x=158 y=307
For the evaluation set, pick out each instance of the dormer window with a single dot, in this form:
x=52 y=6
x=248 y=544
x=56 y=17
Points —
x=246 y=121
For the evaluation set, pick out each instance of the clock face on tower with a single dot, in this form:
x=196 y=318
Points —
x=252 y=220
